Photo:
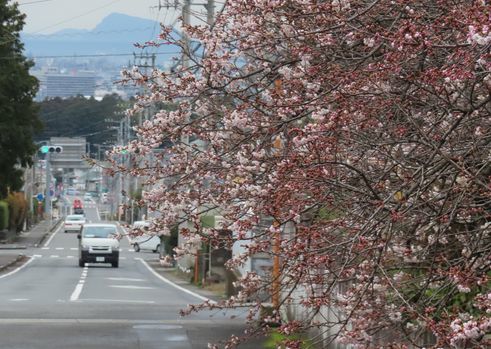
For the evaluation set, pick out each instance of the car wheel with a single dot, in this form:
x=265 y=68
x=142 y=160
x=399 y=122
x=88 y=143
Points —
x=115 y=264
x=136 y=247
x=157 y=249
x=81 y=263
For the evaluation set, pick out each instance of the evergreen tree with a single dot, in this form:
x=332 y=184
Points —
x=18 y=113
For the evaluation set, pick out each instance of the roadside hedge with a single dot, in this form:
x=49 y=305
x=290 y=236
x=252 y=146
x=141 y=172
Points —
x=4 y=215
x=18 y=211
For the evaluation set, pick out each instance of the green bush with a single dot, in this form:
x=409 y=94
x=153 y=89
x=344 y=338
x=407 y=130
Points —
x=277 y=340
x=18 y=211
x=4 y=215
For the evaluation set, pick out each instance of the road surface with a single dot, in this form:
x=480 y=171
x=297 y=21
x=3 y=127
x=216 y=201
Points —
x=52 y=303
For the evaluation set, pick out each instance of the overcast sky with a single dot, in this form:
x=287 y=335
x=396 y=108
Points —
x=48 y=16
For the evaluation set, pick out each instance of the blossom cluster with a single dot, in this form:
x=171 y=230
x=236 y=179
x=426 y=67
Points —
x=347 y=140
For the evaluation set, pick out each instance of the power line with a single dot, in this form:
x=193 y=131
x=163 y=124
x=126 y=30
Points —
x=78 y=16
x=88 y=55
x=99 y=32
x=34 y=2
x=66 y=20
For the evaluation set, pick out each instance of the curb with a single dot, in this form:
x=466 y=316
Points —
x=13 y=247
x=19 y=258
x=40 y=242
x=54 y=226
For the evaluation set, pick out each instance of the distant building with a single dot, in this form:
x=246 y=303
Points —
x=54 y=83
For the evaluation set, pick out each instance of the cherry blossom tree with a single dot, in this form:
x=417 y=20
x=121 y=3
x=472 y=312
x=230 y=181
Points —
x=360 y=130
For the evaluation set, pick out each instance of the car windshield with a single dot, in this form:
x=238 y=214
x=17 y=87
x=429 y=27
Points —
x=99 y=232
x=74 y=218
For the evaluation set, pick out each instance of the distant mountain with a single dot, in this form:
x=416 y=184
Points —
x=116 y=34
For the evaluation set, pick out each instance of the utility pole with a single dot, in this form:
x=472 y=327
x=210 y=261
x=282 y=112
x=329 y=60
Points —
x=186 y=8
x=210 y=7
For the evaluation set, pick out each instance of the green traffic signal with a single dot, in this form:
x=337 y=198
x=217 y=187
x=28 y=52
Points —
x=44 y=149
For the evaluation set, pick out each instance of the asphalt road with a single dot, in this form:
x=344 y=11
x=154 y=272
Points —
x=52 y=303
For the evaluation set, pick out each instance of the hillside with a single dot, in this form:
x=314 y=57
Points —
x=115 y=34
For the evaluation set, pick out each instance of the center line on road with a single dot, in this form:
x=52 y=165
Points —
x=60 y=248
x=80 y=285
x=54 y=256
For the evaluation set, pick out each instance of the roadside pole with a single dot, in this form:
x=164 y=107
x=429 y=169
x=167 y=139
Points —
x=48 y=188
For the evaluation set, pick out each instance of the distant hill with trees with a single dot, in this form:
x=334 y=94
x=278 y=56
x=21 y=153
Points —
x=82 y=117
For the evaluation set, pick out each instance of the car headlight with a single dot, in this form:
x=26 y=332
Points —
x=85 y=247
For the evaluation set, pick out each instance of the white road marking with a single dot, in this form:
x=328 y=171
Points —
x=19 y=268
x=54 y=256
x=79 y=287
x=97 y=212
x=167 y=281
x=131 y=250
x=38 y=255
x=70 y=256
x=125 y=279
x=36 y=321
x=52 y=236
x=18 y=299
x=122 y=257
x=74 y=248
x=60 y=248
x=76 y=292
x=133 y=287
x=45 y=248
x=117 y=300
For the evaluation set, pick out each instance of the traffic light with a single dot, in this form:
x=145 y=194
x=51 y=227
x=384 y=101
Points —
x=53 y=149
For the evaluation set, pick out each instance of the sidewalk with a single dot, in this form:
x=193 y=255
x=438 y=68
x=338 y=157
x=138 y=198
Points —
x=12 y=253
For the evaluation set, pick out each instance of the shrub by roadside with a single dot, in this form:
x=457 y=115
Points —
x=4 y=215
x=18 y=211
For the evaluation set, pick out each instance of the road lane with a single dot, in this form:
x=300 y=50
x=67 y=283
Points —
x=53 y=303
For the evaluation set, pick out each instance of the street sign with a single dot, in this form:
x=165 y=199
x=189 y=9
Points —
x=40 y=197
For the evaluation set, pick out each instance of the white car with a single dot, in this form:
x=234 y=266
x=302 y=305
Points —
x=141 y=240
x=99 y=243
x=74 y=222
x=87 y=197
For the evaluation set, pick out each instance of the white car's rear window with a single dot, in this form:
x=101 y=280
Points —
x=75 y=218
